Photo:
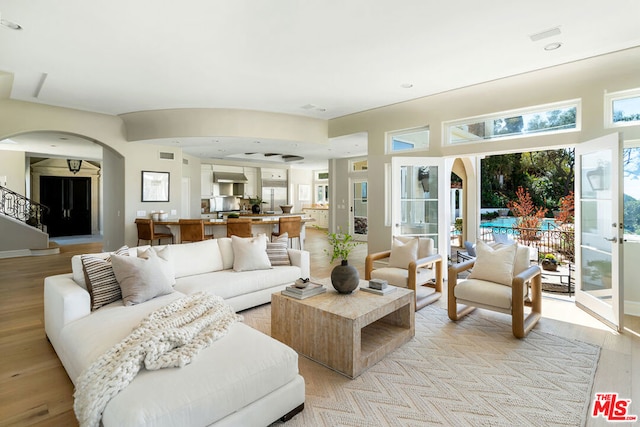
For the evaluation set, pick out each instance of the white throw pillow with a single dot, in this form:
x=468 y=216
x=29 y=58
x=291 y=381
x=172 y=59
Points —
x=226 y=251
x=403 y=253
x=141 y=279
x=425 y=244
x=164 y=255
x=250 y=253
x=523 y=260
x=494 y=265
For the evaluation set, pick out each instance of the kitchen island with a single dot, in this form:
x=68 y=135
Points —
x=260 y=223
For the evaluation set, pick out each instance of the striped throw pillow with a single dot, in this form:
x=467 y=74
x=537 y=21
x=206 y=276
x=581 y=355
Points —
x=277 y=251
x=101 y=281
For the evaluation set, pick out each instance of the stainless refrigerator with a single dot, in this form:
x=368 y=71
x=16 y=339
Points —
x=274 y=194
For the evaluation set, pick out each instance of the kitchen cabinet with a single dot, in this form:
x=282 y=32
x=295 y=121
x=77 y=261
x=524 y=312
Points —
x=321 y=216
x=279 y=174
x=206 y=183
x=251 y=186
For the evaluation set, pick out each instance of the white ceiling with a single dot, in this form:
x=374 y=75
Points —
x=321 y=59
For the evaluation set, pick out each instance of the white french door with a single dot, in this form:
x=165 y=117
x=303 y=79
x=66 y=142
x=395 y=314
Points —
x=419 y=199
x=599 y=229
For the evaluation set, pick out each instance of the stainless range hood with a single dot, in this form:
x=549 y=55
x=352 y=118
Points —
x=226 y=177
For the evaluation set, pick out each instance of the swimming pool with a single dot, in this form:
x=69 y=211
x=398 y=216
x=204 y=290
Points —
x=510 y=221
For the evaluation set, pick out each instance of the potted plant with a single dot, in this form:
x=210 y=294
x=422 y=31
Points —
x=344 y=277
x=550 y=262
x=255 y=204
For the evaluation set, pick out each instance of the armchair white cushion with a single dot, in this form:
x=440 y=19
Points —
x=494 y=264
x=402 y=253
x=498 y=282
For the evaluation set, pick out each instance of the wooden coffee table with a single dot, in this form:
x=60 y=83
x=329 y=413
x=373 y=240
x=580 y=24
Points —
x=347 y=333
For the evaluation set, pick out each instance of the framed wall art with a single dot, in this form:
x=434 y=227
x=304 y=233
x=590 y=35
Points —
x=155 y=186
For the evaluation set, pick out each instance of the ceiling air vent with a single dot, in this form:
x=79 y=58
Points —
x=166 y=156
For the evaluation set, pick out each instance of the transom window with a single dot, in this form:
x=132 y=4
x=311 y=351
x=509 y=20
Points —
x=408 y=140
x=531 y=121
x=622 y=108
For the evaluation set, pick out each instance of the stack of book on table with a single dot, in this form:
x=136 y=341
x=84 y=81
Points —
x=378 y=287
x=301 y=293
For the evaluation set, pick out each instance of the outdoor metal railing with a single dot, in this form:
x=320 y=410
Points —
x=558 y=241
x=19 y=207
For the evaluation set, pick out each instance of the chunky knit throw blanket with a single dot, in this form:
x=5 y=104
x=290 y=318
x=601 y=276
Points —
x=169 y=337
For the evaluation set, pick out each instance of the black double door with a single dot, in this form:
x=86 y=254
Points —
x=69 y=201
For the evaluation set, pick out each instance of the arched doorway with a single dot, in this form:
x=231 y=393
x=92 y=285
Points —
x=109 y=171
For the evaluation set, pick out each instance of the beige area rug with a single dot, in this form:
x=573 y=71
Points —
x=467 y=373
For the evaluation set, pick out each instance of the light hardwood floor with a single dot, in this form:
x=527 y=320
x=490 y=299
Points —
x=35 y=390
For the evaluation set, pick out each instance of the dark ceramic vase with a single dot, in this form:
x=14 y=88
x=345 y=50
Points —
x=255 y=209
x=345 y=278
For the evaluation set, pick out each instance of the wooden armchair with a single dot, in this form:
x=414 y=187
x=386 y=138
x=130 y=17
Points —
x=493 y=287
x=416 y=276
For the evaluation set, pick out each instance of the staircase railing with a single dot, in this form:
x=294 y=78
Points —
x=21 y=208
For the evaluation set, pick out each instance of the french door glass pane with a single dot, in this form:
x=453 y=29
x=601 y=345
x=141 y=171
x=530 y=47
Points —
x=596 y=222
x=419 y=201
x=360 y=208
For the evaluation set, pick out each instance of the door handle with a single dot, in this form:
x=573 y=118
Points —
x=613 y=239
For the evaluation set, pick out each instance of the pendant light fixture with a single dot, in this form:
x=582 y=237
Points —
x=74 y=165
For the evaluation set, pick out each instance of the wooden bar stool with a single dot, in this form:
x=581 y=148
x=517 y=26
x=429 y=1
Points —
x=192 y=230
x=147 y=231
x=290 y=225
x=240 y=227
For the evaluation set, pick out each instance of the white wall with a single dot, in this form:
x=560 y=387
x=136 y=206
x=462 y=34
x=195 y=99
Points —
x=299 y=177
x=12 y=166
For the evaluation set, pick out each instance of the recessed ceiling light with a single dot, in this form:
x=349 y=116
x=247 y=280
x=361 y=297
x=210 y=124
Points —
x=10 y=25
x=553 y=46
x=406 y=85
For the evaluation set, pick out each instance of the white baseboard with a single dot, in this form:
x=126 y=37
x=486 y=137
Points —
x=15 y=253
x=632 y=308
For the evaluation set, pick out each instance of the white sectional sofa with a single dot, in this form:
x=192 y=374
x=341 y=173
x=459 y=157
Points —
x=245 y=378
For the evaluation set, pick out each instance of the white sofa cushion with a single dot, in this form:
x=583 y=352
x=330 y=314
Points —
x=400 y=276
x=85 y=339
x=229 y=283
x=236 y=370
x=196 y=258
x=487 y=293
